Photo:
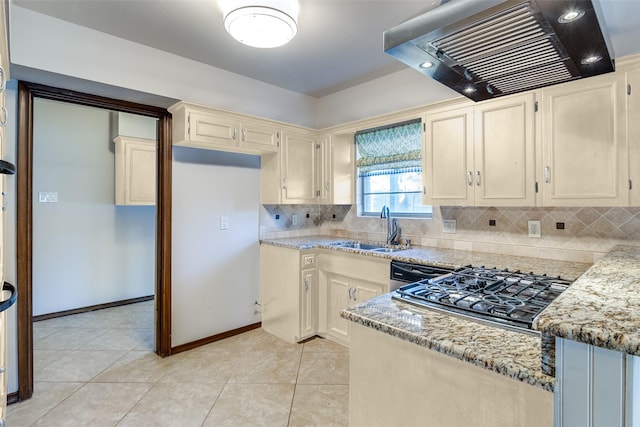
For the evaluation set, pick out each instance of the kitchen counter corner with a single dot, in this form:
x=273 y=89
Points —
x=515 y=355
x=601 y=307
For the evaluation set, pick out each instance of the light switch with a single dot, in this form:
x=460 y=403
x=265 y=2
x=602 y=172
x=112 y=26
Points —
x=224 y=223
x=47 y=197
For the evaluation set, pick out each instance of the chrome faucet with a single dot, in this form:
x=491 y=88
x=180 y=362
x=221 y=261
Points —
x=392 y=226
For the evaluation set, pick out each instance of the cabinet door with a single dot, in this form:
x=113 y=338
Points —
x=448 y=157
x=259 y=137
x=212 y=130
x=363 y=291
x=135 y=171
x=308 y=304
x=633 y=135
x=584 y=144
x=504 y=152
x=299 y=173
x=338 y=298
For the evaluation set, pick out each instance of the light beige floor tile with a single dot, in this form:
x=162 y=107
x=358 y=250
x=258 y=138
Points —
x=46 y=396
x=266 y=367
x=320 y=405
x=135 y=319
x=324 y=368
x=181 y=405
x=201 y=367
x=252 y=405
x=44 y=358
x=78 y=366
x=95 y=405
x=118 y=339
x=148 y=344
x=255 y=340
x=42 y=332
x=68 y=338
x=319 y=344
x=136 y=366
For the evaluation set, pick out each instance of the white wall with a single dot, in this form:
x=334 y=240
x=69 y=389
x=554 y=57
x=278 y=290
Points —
x=45 y=43
x=214 y=273
x=394 y=92
x=86 y=250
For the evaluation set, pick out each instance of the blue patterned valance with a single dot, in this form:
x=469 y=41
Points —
x=394 y=147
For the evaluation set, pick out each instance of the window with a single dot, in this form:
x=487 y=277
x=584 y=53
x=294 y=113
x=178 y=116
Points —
x=389 y=162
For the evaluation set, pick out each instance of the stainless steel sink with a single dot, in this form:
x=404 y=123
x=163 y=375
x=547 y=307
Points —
x=367 y=247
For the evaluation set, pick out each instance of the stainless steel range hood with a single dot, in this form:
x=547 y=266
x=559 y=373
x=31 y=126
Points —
x=489 y=48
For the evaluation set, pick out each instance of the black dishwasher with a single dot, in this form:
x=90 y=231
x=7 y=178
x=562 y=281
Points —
x=404 y=272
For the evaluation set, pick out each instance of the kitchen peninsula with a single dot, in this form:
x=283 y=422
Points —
x=459 y=361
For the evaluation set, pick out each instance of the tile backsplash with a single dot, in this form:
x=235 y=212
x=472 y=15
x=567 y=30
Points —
x=589 y=232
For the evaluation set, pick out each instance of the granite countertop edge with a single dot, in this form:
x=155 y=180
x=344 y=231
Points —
x=375 y=314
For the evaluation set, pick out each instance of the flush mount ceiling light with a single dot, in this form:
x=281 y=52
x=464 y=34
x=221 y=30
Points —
x=261 y=26
x=591 y=59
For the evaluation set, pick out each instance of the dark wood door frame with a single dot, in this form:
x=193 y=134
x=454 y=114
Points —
x=24 y=223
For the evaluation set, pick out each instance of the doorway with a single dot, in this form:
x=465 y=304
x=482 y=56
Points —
x=27 y=94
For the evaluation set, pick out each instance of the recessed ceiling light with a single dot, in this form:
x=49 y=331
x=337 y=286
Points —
x=591 y=59
x=260 y=26
x=427 y=64
x=469 y=89
x=572 y=15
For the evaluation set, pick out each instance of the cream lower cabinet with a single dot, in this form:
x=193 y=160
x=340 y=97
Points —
x=345 y=279
x=135 y=175
x=289 y=292
x=482 y=155
x=584 y=147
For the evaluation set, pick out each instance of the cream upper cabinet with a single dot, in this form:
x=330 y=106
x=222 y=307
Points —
x=336 y=169
x=482 y=155
x=633 y=135
x=135 y=171
x=584 y=147
x=504 y=152
x=447 y=157
x=202 y=127
x=299 y=156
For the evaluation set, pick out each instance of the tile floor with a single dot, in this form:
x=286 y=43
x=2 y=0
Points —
x=99 y=369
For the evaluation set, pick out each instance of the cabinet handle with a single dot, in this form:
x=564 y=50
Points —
x=547 y=176
x=355 y=294
x=478 y=178
x=326 y=185
x=233 y=135
x=3 y=80
x=284 y=183
x=4 y=201
x=469 y=178
x=244 y=135
x=3 y=121
x=306 y=284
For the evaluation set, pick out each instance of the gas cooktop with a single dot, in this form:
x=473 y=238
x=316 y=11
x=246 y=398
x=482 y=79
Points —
x=510 y=299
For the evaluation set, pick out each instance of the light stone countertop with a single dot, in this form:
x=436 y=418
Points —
x=513 y=354
x=602 y=307
x=444 y=257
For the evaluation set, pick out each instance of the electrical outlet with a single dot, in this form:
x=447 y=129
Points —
x=449 y=226
x=294 y=219
x=534 y=229
x=224 y=223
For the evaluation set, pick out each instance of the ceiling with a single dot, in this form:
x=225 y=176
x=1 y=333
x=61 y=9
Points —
x=338 y=45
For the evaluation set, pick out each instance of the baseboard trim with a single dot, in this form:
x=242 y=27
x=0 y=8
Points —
x=91 y=308
x=204 y=341
x=12 y=398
